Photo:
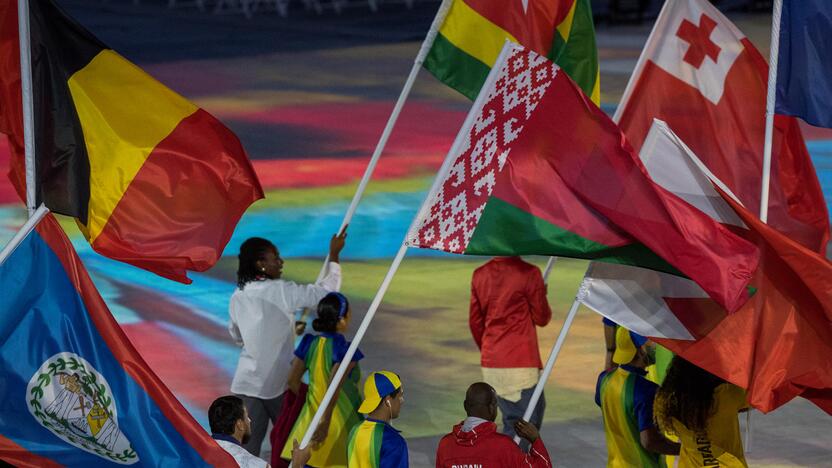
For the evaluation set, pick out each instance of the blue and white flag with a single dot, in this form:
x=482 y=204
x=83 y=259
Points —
x=73 y=390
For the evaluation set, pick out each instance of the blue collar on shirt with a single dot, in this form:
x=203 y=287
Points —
x=226 y=438
x=382 y=422
x=634 y=370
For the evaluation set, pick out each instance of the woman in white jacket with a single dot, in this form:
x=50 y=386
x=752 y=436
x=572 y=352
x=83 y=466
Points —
x=262 y=323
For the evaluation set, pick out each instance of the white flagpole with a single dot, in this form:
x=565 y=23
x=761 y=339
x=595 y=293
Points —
x=394 y=116
x=771 y=96
x=359 y=335
x=548 y=270
x=365 y=323
x=550 y=363
x=23 y=232
x=28 y=108
x=553 y=355
x=371 y=312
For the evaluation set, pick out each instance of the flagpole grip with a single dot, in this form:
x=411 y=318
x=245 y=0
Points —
x=391 y=121
x=771 y=96
x=550 y=363
x=27 y=104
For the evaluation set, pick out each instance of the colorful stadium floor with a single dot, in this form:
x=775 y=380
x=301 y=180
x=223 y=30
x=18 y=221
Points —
x=309 y=96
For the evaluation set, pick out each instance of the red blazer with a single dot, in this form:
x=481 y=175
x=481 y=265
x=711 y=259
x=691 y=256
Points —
x=508 y=298
x=484 y=447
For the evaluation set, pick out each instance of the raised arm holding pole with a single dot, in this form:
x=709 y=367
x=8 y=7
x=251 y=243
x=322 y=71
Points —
x=385 y=284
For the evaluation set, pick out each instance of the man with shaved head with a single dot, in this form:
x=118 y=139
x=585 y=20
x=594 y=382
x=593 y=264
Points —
x=475 y=442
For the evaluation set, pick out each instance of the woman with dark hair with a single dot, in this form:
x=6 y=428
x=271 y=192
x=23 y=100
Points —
x=321 y=354
x=261 y=313
x=701 y=409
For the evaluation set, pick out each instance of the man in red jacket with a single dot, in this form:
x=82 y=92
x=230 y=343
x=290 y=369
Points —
x=475 y=443
x=508 y=299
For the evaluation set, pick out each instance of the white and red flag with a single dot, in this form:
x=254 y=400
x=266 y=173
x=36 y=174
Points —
x=654 y=303
x=703 y=77
x=777 y=345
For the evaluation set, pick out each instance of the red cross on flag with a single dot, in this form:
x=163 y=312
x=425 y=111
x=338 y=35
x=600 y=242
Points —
x=703 y=77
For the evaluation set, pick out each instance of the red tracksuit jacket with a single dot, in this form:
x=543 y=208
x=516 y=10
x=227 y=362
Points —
x=484 y=447
x=508 y=299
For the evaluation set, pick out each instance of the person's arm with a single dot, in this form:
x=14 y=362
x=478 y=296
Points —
x=234 y=330
x=298 y=366
x=394 y=451
x=336 y=245
x=598 y=388
x=655 y=442
x=538 y=303
x=332 y=271
x=296 y=375
x=538 y=456
x=300 y=456
x=644 y=395
x=476 y=315
x=323 y=427
x=609 y=342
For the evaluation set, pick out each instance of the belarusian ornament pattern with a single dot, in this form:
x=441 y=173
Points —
x=456 y=208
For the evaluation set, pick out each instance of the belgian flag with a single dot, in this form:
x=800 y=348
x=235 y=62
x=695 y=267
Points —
x=152 y=179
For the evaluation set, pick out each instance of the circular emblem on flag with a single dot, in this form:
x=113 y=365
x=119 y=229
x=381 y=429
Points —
x=71 y=399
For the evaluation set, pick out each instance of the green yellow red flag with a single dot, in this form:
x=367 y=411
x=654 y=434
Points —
x=473 y=33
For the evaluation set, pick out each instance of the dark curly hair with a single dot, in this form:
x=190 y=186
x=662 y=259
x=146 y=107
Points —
x=686 y=395
x=224 y=414
x=251 y=250
x=330 y=310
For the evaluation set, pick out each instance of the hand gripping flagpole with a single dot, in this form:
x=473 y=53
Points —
x=391 y=272
x=28 y=108
x=394 y=117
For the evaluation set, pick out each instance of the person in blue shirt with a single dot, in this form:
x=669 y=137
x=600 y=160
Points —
x=626 y=400
x=375 y=443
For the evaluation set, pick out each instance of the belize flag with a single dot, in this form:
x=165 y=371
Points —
x=73 y=390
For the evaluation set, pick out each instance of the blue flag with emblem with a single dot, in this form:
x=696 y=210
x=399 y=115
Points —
x=804 y=68
x=73 y=390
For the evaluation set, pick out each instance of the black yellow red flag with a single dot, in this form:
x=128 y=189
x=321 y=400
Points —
x=153 y=180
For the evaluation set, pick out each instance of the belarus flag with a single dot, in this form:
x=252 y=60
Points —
x=537 y=168
x=703 y=77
